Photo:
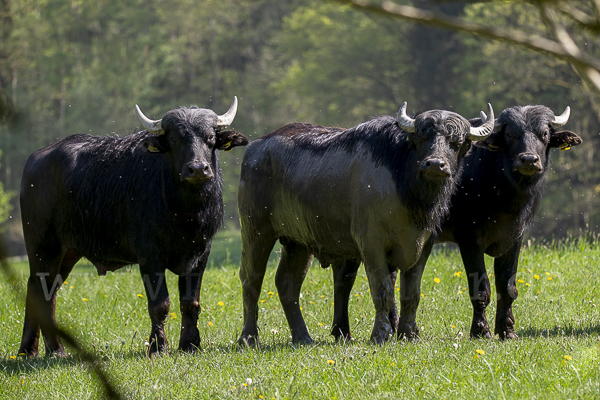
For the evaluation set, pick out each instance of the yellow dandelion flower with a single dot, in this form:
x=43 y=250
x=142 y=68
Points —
x=549 y=278
x=479 y=351
x=221 y=303
x=22 y=354
x=458 y=273
x=262 y=301
x=270 y=293
x=300 y=308
x=105 y=295
x=65 y=282
x=140 y=295
x=397 y=290
x=311 y=302
x=547 y=273
x=210 y=324
x=536 y=277
x=330 y=362
x=567 y=357
x=322 y=295
x=476 y=356
x=13 y=357
x=356 y=295
x=436 y=280
x=521 y=281
x=530 y=271
x=71 y=287
x=528 y=284
x=84 y=299
x=460 y=292
x=422 y=295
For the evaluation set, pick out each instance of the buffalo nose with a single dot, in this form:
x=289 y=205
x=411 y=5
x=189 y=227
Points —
x=435 y=168
x=529 y=159
x=197 y=171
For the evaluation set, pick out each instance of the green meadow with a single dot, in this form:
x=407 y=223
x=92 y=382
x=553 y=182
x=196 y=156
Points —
x=557 y=354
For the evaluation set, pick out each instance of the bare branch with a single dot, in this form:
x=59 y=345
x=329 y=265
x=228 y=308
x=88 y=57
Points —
x=579 y=17
x=589 y=67
x=590 y=74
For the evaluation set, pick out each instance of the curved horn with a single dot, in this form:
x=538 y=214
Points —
x=563 y=118
x=486 y=129
x=152 y=126
x=484 y=117
x=406 y=123
x=227 y=118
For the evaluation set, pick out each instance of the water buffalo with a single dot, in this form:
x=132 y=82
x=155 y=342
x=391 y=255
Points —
x=152 y=197
x=371 y=193
x=500 y=189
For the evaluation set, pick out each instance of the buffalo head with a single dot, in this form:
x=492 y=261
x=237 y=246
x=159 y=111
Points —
x=526 y=135
x=442 y=138
x=190 y=138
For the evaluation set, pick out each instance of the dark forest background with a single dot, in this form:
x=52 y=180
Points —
x=80 y=67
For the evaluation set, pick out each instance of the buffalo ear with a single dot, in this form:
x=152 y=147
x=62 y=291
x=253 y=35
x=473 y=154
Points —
x=227 y=140
x=564 y=140
x=152 y=144
x=490 y=143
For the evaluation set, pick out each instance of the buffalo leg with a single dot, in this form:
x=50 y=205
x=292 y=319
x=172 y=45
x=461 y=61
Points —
x=40 y=308
x=410 y=295
x=189 y=305
x=255 y=255
x=381 y=285
x=479 y=289
x=344 y=275
x=293 y=266
x=158 y=308
x=505 y=270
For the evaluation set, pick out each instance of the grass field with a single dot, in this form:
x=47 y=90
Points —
x=557 y=355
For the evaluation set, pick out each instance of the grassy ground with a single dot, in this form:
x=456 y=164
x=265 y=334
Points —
x=556 y=356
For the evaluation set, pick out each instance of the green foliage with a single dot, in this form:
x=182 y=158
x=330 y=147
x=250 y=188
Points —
x=5 y=204
x=557 y=314
x=80 y=67
x=342 y=66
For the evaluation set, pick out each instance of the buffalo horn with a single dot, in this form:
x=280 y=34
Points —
x=148 y=124
x=227 y=118
x=562 y=119
x=486 y=129
x=406 y=123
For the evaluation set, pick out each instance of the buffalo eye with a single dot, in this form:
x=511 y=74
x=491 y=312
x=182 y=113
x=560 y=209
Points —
x=545 y=134
x=211 y=137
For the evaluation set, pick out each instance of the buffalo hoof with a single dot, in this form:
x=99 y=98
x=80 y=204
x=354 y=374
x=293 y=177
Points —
x=480 y=330
x=156 y=350
x=249 y=341
x=341 y=337
x=341 y=334
x=29 y=354
x=303 y=341
x=510 y=335
x=407 y=331
x=189 y=348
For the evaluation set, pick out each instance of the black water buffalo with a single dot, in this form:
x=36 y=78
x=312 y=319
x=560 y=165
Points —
x=500 y=189
x=153 y=198
x=371 y=193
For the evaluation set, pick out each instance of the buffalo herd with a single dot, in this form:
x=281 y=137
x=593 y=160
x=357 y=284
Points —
x=381 y=193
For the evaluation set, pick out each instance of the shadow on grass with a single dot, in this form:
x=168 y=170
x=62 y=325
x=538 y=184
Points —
x=561 y=331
